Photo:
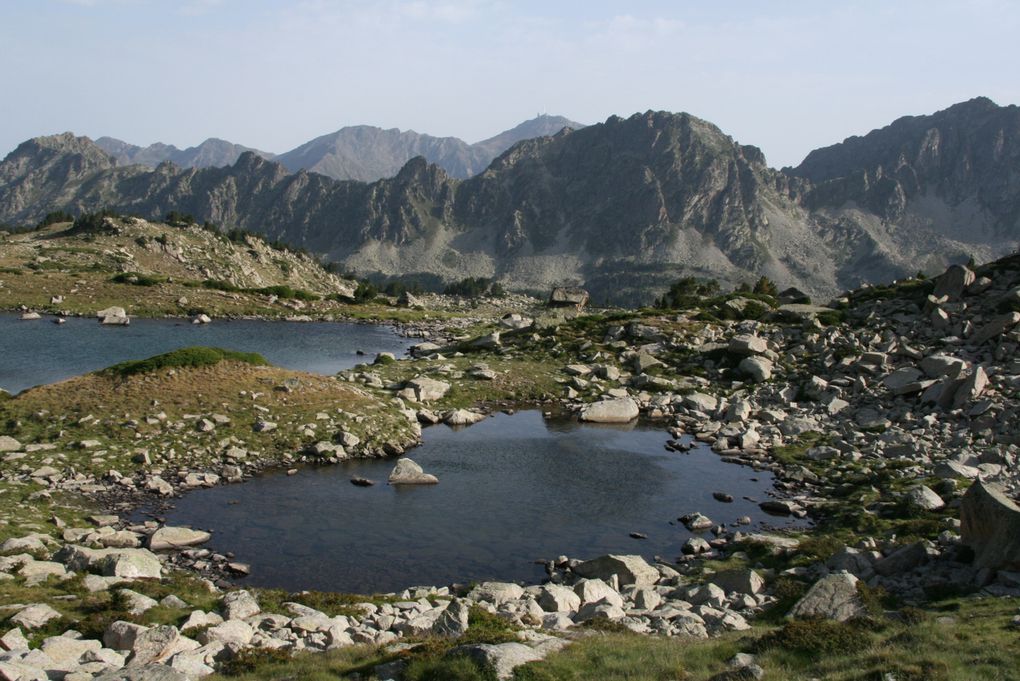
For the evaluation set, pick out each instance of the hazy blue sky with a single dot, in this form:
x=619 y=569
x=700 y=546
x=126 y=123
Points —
x=786 y=76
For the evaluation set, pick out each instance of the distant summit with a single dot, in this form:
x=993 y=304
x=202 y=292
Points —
x=360 y=152
x=212 y=153
x=368 y=153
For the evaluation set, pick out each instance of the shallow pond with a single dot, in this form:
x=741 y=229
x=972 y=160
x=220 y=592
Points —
x=37 y=352
x=512 y=489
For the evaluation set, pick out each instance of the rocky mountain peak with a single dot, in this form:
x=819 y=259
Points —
x=957 y=162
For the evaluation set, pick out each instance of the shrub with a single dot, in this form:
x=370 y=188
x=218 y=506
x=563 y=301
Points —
x=137 y=279
x=179 y=219
x=55 y=217
x=220 y=285
x=818 y=637
x=287 y=292
x=832 y=317
x=471 y=287
x=754 y=310
x=249 y=660
x=687 y=292
x=765 y=286
x=484 y=627
x=185 y=357
x=365 y=292
x=93 y=223
x=456 y=668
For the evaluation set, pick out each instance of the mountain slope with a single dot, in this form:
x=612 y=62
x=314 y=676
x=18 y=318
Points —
x=623 y=207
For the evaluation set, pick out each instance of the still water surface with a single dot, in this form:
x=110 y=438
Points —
x=512 y=489
x=37 y=352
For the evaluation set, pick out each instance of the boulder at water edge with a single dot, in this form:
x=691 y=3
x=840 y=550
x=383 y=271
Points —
x=621 y=410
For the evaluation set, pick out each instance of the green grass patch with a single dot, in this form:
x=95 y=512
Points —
x=183 y=358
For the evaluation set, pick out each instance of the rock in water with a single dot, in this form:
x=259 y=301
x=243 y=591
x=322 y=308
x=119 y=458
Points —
x=407 y=472
x=621 y=410
x=990 y=525
x=463 y=417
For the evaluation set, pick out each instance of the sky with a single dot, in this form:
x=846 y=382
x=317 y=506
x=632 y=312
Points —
x=786 y=76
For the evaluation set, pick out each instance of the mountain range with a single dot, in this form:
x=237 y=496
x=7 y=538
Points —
x=622 y=207
x=360 y=152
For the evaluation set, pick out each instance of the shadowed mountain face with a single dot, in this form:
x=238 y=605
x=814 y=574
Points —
x=623 y=207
